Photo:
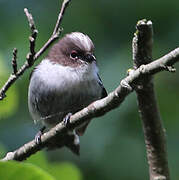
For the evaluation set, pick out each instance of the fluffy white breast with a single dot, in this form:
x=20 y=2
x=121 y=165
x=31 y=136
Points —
x=63 y=77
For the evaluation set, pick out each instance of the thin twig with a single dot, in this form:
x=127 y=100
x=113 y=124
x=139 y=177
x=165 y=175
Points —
x=32 y=38
x=60 y=16
x=31 y=57
x=31 y=21
x=14 y=61
x=154 y=132
x=96 y=109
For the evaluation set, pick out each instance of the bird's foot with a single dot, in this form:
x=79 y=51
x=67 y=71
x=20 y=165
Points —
x=66 y=119
x=38 y=135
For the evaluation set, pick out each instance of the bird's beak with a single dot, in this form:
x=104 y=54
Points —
x=90 y=58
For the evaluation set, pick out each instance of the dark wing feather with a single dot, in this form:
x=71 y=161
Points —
x=80 y=131
x=104 y=92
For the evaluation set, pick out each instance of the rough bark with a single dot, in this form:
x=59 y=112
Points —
x=153 y=129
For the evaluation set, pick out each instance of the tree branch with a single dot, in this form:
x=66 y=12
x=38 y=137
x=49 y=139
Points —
x=32 y=56
x=96 y=109
x=154 y=132
x=32 y=38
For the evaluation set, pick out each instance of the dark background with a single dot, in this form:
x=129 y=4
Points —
x=113 y=146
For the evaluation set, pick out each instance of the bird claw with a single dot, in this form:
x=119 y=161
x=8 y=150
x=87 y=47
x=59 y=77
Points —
x=38 y=138
x=66 y=119
x=38 y=135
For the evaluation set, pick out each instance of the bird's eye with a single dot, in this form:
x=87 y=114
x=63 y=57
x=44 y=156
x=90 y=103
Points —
x=74 y=55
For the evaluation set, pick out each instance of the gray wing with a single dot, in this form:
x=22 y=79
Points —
x=80 y=131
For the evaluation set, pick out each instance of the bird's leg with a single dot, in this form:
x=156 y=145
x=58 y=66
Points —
x=39 y=134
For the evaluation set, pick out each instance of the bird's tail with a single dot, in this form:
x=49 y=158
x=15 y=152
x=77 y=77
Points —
x=70 y=140
x=73 y=142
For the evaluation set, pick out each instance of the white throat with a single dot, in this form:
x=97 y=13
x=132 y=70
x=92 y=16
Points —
x=64 y=76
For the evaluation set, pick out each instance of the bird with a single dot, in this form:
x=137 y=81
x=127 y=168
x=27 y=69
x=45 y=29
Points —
x=64 y=82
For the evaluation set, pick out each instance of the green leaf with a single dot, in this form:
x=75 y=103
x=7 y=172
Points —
x=22 y=171
x=62 y=171
x=39 y=159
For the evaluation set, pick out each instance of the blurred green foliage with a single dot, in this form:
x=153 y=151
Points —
x=63 y=170
x=16 y=171
x=113 y=146
x=9 y=105
x=38 y=167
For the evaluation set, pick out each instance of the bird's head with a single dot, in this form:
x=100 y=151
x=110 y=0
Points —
x=73 y=49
